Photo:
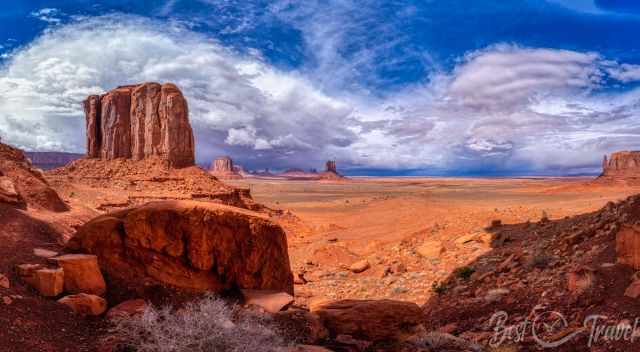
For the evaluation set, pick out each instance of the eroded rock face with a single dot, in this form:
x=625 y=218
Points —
x=188 y=245
x=22 y=185
x=140 y=121
x=622 y=164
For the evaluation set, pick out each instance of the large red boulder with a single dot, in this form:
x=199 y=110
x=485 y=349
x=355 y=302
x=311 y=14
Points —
x=188 y=245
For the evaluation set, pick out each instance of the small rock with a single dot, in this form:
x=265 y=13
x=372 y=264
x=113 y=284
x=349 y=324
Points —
x=85 y=304
x=127 y=309
x=580 y=280
x=633 y=291
x=270 y=301
x=7 y=300
x=496 y=295
x=4 y=282
x=430 y=249
x=44 y=253
x=398 y=268
x=360 y=266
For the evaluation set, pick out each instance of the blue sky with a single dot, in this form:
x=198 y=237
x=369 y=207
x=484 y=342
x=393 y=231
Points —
x=385 y=87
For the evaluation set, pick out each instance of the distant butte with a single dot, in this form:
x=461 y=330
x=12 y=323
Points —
x=623 y=164
x=224 y=168
x=139 y=121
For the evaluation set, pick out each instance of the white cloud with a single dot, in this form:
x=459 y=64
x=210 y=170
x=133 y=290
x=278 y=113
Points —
x=49 y=15
x=503 y=107
x=234 y=98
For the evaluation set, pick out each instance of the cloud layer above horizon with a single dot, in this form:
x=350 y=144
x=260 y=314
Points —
x=502 y=108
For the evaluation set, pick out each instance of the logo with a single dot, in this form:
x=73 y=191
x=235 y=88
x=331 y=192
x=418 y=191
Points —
x=550 y=329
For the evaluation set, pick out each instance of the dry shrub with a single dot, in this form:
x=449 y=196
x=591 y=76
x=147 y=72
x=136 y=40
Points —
x=209 y=325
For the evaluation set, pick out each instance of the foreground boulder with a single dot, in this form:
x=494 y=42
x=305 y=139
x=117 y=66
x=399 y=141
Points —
x=371 y=320
x=188 y=245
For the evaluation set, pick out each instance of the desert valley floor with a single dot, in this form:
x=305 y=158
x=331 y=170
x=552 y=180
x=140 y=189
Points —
x=386 y=221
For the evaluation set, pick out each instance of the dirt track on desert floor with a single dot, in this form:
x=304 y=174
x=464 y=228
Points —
x=389 y=222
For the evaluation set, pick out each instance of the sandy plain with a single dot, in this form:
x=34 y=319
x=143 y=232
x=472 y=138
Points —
x=394 y=223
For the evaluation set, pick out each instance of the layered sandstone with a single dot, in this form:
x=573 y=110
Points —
x=223 y=168
x=188 y=245
x=140 y=121
x=625 y=164
x=22 y=185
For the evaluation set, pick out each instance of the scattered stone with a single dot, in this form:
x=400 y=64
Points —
x=398 y=268
x=580 y=280
x=44 y=253
x=82 y=274
x=430 y=249
x=85 y=304
x=270 y=301
x=628 y=245
x=496 y=295
x=633 y=291
x=4 y=282
x=7 y=300
x=360 y=266
x=127 y=309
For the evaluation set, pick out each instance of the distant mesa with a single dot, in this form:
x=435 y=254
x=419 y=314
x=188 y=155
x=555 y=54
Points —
x=140 y=121
x=51 y=160
x=623 y=164
x=330 y=173
x=224 y=168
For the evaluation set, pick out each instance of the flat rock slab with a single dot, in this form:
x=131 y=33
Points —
x=44 y=253
x=270 y=301
x=85 y=304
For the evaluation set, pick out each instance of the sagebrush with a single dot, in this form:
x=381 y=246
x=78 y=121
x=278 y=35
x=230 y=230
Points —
x=209 y=324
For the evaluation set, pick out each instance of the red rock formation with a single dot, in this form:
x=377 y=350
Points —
x=188 y=245
x=331 y=166
x=223 y=168
x=21 y=185
x=625 y=164
x=140 y=121
x=94 y=136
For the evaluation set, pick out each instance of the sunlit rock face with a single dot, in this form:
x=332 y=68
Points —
x=139 y=121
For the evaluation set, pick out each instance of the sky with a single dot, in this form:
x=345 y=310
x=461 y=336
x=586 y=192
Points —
x=429 y=87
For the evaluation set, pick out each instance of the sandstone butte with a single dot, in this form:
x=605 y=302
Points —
x=139 y=121
x=623 y=164
x=187 y=245
x=223 y=167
